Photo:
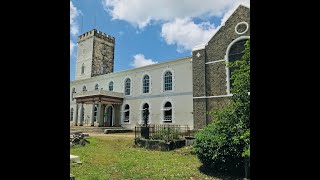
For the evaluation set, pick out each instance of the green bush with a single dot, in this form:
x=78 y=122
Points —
x=218 y=148
x=225 y=143
x=166 y=134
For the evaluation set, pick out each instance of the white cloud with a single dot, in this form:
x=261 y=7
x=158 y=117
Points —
x=175 y=17
x=142 y=12
x=139 y=60
x=74 y=13
x=186 y=34
x=72 y=47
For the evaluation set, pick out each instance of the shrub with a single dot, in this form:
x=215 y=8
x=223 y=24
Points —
x=224 y=143
x=166 y=134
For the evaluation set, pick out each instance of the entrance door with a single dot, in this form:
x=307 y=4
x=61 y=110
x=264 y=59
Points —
x=108 y=116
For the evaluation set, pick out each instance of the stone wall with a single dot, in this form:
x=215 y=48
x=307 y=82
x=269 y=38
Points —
x=215 y=104
x=103 y=57
x=210 y=80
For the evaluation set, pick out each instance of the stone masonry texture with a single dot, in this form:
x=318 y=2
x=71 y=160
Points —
x=103 y=57
x=210 y=79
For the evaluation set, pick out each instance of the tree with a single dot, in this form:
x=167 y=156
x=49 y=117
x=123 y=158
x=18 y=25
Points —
x=224 y=143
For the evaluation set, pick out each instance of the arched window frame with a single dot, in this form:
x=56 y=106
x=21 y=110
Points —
x=227 y=60
x=126 y=114
x=141 y=111
x=146 y=83
x=163 y=80
x=127 y=89
x=163 y=109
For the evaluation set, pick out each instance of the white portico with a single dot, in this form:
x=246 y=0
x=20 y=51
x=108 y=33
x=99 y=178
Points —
x=104 y=105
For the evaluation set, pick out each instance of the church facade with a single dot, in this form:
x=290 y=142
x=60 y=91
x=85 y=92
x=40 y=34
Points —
x=179 y=91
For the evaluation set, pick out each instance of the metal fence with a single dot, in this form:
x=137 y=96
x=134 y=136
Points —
x=165 y=132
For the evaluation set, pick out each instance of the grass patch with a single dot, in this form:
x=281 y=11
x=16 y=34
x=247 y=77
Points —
x=108 y=157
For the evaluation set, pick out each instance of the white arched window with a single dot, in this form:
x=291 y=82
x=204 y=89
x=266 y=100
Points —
x=127 y=86
x=96 y=87
x=146 y=84
x=84 y=88
x=145 y=107
x=82 y=69
x=126 y=113
x=167 y=81
x=167 y=112
x=71 y=114
x=111 y=86
x=235 y=52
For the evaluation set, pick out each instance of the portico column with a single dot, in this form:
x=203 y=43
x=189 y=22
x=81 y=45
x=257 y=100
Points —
x=75 y=119
x=99 y=114
x=81 y=115
x=92 y=115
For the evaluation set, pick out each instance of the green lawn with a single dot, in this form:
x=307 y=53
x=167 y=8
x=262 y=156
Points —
x=114 y=157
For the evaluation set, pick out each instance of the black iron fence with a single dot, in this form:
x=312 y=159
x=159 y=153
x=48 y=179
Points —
x=165 y=132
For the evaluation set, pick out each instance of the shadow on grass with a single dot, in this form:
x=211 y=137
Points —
x=225 y=176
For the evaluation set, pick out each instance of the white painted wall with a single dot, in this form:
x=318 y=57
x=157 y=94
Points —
x=84 y=55
x=181 y=96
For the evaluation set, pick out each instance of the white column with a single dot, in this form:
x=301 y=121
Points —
x=99 y=114
x=75 y=118
x=81 y=117
x=92 y=115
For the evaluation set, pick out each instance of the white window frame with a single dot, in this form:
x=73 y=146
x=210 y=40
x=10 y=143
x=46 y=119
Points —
x=141 y=111
x=123 y=113
x=124 y=86
x=226 y=57
x=163 y=110
x=163 y=83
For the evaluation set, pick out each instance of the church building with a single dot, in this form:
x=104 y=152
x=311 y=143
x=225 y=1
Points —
x=179 y=91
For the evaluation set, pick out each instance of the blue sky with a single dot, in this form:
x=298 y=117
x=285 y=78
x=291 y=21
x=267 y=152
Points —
x=148 y=31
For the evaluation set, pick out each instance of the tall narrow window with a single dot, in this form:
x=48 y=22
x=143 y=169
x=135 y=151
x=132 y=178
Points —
x=96 y=87
x=145 y=113
x=71 y=114
x=84 y=88
x=111 y=86
x=95 y=113
x=168 y=81
x=126 y=113
x=236 y=52
x=73 y=92
x=127 y=86
x=82 y=69
x=146 y=84
x=167 y=114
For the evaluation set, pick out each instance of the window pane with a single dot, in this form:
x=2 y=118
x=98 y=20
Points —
x=146 y=84
x=168 y=81
x=127 y=86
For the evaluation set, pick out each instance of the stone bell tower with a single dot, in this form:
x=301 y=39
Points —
x=95 y=54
